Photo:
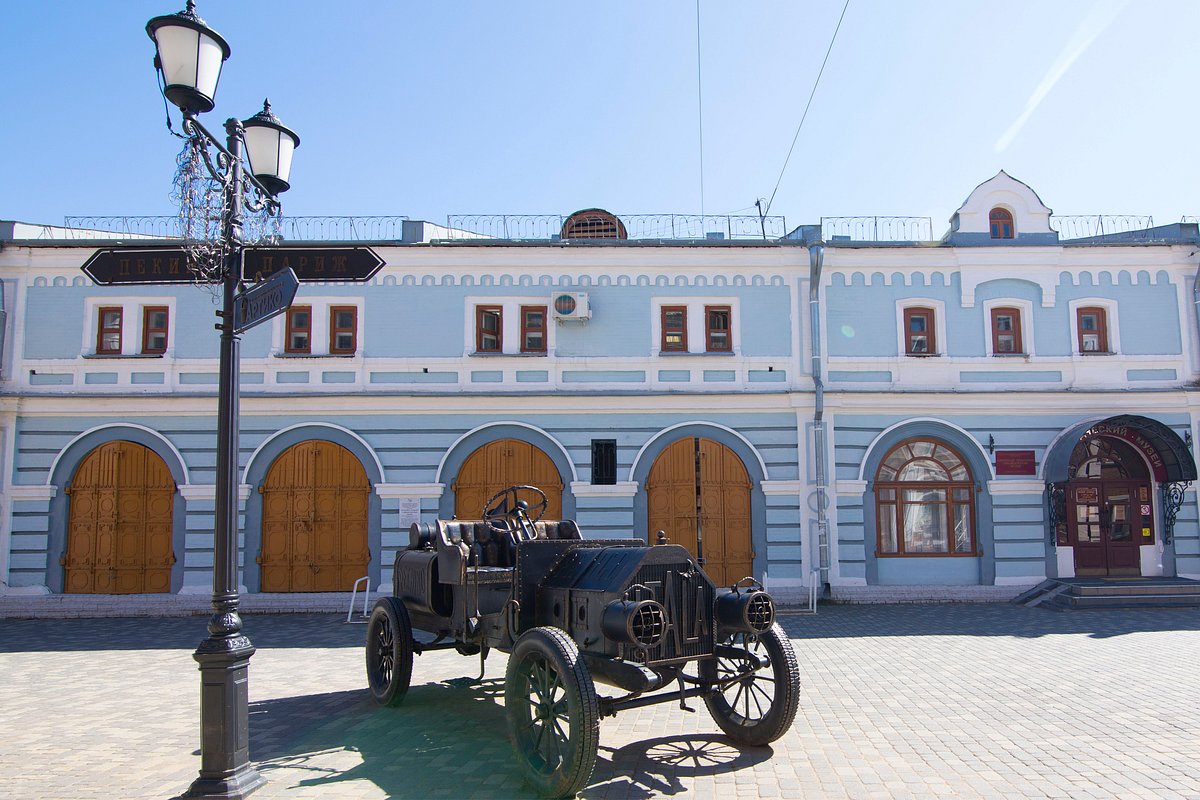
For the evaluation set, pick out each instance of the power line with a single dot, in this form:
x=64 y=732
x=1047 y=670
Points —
x=811 y=94
x=700 y=104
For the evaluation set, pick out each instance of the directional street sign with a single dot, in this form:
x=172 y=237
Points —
x=311 y=264
x=130 y=266
x=264 y=301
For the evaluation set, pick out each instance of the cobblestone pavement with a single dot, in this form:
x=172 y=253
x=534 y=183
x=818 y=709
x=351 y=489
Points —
x=970 y=701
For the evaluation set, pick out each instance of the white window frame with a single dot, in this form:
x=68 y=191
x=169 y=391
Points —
x=1110 y=321
x=1025 y=309
x=319 y=342
x=510 y=324
x=132 y=319
x=939 y=325
x=696 y=321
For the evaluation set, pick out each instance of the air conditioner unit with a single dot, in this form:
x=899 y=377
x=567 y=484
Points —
x=571 y=305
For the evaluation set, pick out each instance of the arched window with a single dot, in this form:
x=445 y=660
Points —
x=924 y=501
x=593 y=223
x=1002 y=223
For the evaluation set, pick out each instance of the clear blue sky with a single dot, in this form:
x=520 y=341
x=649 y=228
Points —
x=435 y=108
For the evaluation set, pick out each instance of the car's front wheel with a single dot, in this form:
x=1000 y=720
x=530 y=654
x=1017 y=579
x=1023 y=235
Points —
x=553 y=712
x=389 y=651
x=758 y=707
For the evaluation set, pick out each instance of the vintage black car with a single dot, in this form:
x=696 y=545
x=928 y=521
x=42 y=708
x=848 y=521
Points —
x=573 y=612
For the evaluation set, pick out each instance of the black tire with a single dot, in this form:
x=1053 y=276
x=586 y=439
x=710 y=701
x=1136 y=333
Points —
x=389 y=651
x=546 y=676
x=760 y=707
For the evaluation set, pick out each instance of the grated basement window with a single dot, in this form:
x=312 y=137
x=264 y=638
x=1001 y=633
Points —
x=604 y=462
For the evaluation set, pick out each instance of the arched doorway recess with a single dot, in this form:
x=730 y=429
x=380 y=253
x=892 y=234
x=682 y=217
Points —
x=698 y=492
x=314 y=520
x=502 y=463
x=119 y=529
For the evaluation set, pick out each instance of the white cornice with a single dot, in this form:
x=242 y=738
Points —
x=782 y=487
x=1015 y=487
x=42 y=492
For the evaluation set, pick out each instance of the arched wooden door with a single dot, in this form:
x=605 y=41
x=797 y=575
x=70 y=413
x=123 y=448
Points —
x=698 y=492
x=119 y=525
x=315 y=514
x=506 y=462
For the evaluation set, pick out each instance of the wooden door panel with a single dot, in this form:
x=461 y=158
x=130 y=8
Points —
x=704 y=472
x=310 y=543
x=119 y=529
x=500 y=464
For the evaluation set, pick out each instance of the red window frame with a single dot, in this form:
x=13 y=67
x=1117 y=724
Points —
x=291 y=328
x=482 y=335
x=666 y=344
x=335 y=329
x=1101 y=328
x=149 y=330
x=539 y=331
x=110 y=330
x=910 y=336
x=713 y=334
x=1018 y=341
x=1000 y=222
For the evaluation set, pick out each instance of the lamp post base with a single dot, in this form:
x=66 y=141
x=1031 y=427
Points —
x=225 y=768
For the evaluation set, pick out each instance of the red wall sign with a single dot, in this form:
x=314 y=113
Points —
x=1015 y=462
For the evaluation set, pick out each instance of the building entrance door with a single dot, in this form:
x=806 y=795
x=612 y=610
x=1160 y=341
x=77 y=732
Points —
x=119 y=531
x=698 y=493
x=315 y=512
x=500 y=464
x=1110 y=512
x=1109 y=523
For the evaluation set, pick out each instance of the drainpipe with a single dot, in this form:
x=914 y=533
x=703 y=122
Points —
x=816 y=259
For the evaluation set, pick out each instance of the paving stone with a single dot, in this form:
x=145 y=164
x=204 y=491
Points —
x=964 y=701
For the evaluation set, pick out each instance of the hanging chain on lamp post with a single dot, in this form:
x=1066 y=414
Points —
x=188 y=57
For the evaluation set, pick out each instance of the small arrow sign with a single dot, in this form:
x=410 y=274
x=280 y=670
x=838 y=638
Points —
x=264 y=301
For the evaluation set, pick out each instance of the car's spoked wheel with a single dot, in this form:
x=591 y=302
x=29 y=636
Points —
x=758 y=707
x=553 y=713
x=389 y=651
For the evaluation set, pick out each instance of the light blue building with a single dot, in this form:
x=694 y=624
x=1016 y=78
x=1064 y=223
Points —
x=875 y=415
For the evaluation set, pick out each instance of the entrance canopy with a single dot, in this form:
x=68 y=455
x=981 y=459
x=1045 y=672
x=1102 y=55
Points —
x=1169 y=458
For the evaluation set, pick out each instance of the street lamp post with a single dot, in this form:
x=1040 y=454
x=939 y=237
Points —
x=189 y=57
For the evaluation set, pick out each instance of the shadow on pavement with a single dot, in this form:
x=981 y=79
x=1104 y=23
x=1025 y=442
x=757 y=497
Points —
x=980 y=619
x=173 y=633
x=830 y=622
x=450 y=739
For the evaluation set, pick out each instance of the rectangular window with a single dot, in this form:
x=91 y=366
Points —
x=716 y=329
x=154 y=329
x=674 y=329
x=604 y=462
x=1093 y=330
x=343 y=329
x=108 y=330
x=918 y=332
x=533 y=329
x=1006 y=331
x=488 y=329
x=299 y=330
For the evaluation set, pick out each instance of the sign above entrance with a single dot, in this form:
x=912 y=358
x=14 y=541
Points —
x=1015 y=462
x=1128 y=434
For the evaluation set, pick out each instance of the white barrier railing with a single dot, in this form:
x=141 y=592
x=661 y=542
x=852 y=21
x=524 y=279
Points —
x=366 y=599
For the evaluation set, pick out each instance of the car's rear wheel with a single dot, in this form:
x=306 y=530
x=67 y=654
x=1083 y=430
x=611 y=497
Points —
x=389 y=651
x=553 y=713
x=760 y=706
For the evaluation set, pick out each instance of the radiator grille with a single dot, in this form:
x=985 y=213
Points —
x=687 y=597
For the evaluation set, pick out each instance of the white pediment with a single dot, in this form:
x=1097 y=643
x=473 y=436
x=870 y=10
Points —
x=1030 y=214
